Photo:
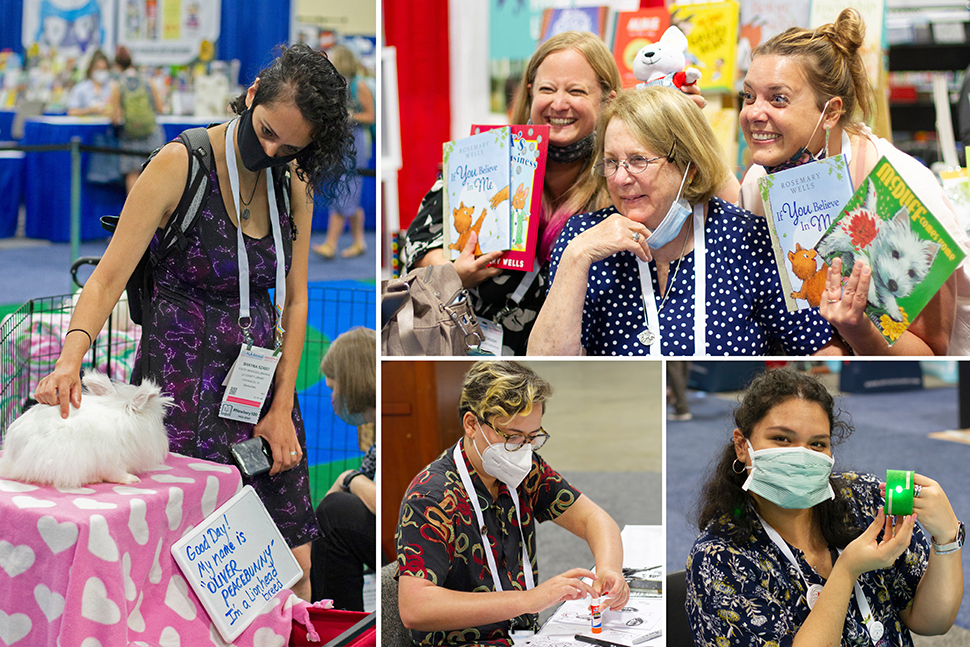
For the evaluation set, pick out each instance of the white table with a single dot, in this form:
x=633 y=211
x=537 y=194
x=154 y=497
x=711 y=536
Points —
x=643 y=548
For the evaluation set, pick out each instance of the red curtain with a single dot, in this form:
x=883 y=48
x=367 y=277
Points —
x=419 y=31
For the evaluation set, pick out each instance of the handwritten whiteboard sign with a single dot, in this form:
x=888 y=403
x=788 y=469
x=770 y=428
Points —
x=236 y=561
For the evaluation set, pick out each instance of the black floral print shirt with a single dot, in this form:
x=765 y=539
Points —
x=438 y=537
x=752 y=595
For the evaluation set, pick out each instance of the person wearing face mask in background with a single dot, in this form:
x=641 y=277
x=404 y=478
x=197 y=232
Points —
x=91 y=97
x=346 y=513
x=204 y=308
x=802 y=99
x=792 y=554
x=670 y=268
x=450 y=544
x=130 y=82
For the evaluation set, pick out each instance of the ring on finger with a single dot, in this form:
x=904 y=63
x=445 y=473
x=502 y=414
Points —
x=833 y=300
x=636 y=236
x=916 y=490
x=292 y=453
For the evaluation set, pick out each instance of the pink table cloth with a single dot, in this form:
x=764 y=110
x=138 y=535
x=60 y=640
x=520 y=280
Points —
x=92 y=567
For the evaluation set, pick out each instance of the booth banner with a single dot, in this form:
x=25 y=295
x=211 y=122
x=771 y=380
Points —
x=168 y=32
x=68 y=27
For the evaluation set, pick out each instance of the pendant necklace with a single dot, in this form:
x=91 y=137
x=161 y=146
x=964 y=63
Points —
x=245 y=211
x=647 y=336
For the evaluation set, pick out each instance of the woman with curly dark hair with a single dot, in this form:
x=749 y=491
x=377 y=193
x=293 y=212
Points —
x=210 y=299
x=790 y=554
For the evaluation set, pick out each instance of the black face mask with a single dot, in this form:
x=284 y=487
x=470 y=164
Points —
x=251 y=151
x=573 y=152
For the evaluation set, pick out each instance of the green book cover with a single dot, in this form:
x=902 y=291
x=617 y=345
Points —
x=909 y=252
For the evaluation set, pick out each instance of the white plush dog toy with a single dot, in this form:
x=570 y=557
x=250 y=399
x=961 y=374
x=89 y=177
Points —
x=116 y=433
x=663 y=62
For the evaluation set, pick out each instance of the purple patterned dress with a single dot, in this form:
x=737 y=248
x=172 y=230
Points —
x=192 y=338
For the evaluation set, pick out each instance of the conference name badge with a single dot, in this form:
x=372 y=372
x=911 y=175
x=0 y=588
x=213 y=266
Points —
x=248 y=383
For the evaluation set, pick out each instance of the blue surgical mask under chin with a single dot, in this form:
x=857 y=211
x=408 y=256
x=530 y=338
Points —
x=795 y=478
x=672 y=223
x=340 y=408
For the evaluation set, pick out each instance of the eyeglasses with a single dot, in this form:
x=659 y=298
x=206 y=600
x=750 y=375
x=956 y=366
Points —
x=515 y=442
x=634 y=164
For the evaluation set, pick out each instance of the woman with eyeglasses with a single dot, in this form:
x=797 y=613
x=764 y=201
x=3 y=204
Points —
x=450 y=544
x=670 y=268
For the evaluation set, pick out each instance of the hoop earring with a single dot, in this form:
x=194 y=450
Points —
x=734 y=466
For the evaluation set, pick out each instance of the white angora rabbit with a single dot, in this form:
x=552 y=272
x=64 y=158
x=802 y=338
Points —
x=116 y=433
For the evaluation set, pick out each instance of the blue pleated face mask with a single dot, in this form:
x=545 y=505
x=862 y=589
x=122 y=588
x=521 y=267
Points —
x=796 y=478
x=672 y=223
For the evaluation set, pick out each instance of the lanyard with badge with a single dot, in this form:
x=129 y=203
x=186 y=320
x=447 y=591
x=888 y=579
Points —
x=252 y=373
x=874 y=628
x=650 y=337
x=466 y=480
x=492 y=329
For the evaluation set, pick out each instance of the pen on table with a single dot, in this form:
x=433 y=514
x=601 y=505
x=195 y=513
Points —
x=595 y=641
x=650 y=636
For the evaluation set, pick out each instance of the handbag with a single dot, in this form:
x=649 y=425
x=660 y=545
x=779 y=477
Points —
x=428 y=312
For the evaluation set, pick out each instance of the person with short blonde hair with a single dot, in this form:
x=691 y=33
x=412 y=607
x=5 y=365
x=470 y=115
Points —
x=670 y=268
x=446 y=595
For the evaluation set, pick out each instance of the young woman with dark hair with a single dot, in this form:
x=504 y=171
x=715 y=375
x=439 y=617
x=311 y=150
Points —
x=790 y=554
x=196 y=324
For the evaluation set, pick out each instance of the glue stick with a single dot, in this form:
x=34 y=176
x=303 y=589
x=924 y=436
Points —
x=597 y=621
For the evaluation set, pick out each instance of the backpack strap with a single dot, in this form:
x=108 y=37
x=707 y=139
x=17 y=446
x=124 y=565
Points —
x=196 y=140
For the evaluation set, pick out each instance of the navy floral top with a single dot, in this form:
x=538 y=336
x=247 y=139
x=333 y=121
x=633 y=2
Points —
x=438 y=538
x=752 y=595
x=746 y=312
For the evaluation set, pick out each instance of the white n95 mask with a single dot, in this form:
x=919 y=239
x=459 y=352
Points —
x=508 y=467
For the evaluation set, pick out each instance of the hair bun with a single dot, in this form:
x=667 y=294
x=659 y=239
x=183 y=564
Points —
x=847 y=33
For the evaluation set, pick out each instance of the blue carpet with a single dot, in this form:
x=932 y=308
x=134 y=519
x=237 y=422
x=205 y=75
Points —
x=890 y=433
x=34 y=269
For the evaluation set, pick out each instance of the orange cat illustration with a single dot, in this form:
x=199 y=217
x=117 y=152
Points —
x=503 y=194
x=518 y=200
x=463 y=225
x=813 y=278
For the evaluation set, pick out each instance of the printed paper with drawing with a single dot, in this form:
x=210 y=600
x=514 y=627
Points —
x=800 y=205
x=911 y=255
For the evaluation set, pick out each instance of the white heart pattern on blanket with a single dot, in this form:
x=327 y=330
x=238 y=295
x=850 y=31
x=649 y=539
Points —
x=94 y=504
x=96 y=606
x=136 y=621
x=75 y=490
x=137 y=523
x=16 y=486
x=210 y=467
x=266 y=637
x=90 y=641
x=124 y=489
x=59 y=536
x=155 y=572
x=177 y=598
x=173 y=509
x=100 y=542
x=170 y=638
x=15 y=559
x=130 y=589
x=210 y=498
x=50 y=602
x=30 y=502
x=168 y=478
x=13 y=627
